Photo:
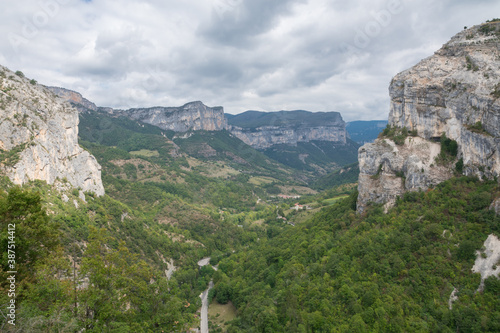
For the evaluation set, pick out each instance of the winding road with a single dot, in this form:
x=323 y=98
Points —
x=204 y=308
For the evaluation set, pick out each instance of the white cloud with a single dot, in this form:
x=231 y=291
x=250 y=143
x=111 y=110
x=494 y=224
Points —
x=316 y=55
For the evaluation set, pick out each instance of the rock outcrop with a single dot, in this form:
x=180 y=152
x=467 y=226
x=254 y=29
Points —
x=194 y=116
x=388 y=170
x=487 y=260
x=456 y=91
x=76 y=99
x=266 y=129
x=39 y=137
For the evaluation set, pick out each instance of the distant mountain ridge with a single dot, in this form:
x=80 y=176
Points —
x=304 y=140
x=314 y=141
x=262 y=130
x=193 y=116
x=253 y=119
x=364 y=131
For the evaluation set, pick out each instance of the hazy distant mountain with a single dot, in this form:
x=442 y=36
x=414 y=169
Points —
x=364 y=131
x=304 y=140
x=254 y=119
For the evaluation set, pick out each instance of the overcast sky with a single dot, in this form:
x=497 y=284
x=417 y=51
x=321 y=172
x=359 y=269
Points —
x=269 y=55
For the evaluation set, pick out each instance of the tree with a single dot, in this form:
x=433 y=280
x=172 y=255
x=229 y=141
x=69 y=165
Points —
x=25 y=224
x=124 y=290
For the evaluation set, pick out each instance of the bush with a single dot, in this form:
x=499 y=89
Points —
x=486 y=29
x=466 y=250
x=449 y=146
x=397 y=134
x=459 y=166
x=492 y=285
x=496 y=91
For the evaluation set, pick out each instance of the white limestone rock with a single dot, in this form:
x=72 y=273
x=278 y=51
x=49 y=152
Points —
x=45 y=130
x=456 y=91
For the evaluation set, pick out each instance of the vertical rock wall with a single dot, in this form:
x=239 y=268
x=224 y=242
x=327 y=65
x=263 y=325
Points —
x=456 y=91
x=43 y=130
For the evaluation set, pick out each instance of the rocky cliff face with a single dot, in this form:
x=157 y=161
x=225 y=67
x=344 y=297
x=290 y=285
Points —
x=76 y=99
x=456 y=92
x=388 y=170
x=267 y=136
x=288 y=127
x=39 y=137
x=194 y=116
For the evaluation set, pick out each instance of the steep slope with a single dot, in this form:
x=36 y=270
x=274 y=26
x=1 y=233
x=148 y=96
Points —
x=395 y=272
x=194 y=116
x=82 y=104
x=264 y=129
x=39 y=137
x=454 y=92
x=314 y=142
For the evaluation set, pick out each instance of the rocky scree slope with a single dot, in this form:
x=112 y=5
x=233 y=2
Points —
x=39 y=137
x=456 y=91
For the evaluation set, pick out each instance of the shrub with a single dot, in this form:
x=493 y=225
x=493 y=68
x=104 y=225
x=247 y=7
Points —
x=449 y=146
x=496 y=91
x=459 y=166
x=466 y=250
x=486 y=29
x=397 y=134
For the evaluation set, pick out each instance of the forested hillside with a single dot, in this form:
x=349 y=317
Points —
x=127 y=261
x=395 y=272
x=139 y=229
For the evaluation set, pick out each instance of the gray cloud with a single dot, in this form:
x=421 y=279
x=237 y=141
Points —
x=238 y=22
x=317 y=55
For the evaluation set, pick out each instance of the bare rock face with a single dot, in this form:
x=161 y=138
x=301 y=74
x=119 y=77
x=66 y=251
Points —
x=82 y=104
x=267 y=136
x=39 y=137
x=194 y=116
x=262 y=130
x=456 y=92
x=390 y=170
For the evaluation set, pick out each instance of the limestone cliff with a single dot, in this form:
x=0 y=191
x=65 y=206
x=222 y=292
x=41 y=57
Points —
x=39 y=137
x=456 y=91
x=262 y=130
x=192 y=116
x=82 y=104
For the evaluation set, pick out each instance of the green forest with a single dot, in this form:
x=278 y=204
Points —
x=99 y=264
x=394 y=272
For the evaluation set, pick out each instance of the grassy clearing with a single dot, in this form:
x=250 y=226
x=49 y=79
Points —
x=219 y=170
x=331 y=201
x=261 y=180
x=219 y=314
x=296 y=190
x=145 y=153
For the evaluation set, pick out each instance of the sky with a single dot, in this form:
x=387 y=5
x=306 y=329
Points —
x=267 y=55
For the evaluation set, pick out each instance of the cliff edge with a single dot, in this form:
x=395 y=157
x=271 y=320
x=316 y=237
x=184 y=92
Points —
x=39 y=137
x=262 y=130
x=453 y=95
x=193 y=116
